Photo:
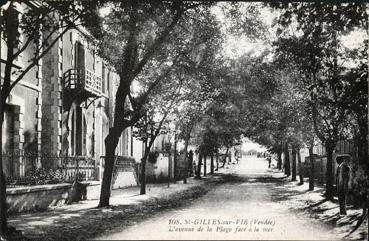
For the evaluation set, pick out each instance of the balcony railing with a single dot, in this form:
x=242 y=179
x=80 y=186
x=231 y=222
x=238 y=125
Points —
x=83 y=79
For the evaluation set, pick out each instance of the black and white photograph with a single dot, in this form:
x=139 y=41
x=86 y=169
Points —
x=184 y=120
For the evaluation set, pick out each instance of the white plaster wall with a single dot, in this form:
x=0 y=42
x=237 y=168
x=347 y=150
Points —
x=125 y=179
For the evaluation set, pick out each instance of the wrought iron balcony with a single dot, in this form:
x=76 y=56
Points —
x=83 y=80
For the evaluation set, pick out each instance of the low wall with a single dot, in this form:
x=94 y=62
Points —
x=39 y=198
x=125 y=173
x=124 y=179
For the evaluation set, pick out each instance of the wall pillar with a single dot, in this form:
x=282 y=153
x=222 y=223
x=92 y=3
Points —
x=51 y=105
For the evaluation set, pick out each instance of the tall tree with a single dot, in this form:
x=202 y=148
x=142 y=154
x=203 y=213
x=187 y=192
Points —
x=190 y=113
x=294 y=155
x=152 y=124
x=316 y=48
x=137 y=38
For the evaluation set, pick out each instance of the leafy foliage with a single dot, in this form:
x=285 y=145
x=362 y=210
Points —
x=311 y=41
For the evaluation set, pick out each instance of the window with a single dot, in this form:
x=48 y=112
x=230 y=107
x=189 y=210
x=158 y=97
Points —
x=8 y=129
x=78 y=132
x=84 y=135
x=9 y=138
x=103 y=78
x=108 y=82
x=79 y=56
x=79 y=129
x=73 y=132
x=94 y=61
x=16 y=36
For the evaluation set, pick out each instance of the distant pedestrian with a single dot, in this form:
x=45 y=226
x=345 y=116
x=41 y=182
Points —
x=194 y=168
x=236 y=156
x=342 y=181
x=269 y=161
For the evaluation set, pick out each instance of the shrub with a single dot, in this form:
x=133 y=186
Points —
x=153 y=157
x=39 y=176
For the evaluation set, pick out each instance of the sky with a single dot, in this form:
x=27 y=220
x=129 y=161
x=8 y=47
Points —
x=247 y=145
x=235 y=47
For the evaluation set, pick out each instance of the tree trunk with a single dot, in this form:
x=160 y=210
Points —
x=225 y=157
x=279 y=160
x=294 y=154
x=111 y=142
x=205 y=156
x=143 y=174
x=299 y=166
x=175 y=159
x=312 y=168
x=367 y=222
x=186 y=163
x=362 y=152
x=287 y=164
x=126 y=76
x=329 y=175
x=362 y=143
x=169 y=156
x=3 y=206
x=199 y=165
x=143 y=164
x=11 y=23
x=212 y=163
x=217 y=160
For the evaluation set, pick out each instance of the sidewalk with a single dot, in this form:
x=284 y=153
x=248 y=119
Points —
x=83 y=220
x=313 y=203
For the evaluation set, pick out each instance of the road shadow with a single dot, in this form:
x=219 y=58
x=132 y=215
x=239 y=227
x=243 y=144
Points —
x=88 y=223
x=317 y=204
x=253 y=178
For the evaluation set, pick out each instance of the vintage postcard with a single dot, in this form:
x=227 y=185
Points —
x=183 y=120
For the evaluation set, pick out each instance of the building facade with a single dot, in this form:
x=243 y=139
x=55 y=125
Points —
x=62 y=108
x=59 y=114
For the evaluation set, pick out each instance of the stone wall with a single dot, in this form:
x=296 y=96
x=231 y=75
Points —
x=39 y=198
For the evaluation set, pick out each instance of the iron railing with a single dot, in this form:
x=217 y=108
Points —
x=81 y=167
x=36 y=169
x=83 y=79
x=24 y=169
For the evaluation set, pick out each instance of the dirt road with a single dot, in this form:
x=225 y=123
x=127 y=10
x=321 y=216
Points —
x=245 y=207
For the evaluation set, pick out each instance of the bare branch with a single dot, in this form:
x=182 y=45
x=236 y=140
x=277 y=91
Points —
x=316 y=127
x=26 y=44
x=29 y=40
x=24 y=72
